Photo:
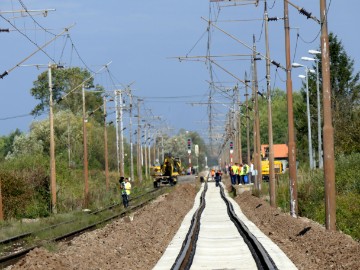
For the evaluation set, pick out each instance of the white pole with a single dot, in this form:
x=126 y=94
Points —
x=321 y=162
x=122 y=171
x=308 y=118
x=117 y=130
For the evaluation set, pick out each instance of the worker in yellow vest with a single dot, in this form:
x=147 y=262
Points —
x=125 y=191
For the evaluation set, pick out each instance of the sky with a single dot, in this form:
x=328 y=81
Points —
x=143 y=40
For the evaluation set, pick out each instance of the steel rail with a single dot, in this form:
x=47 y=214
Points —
x=187 y=252
x=14 y=257
x=259 y=253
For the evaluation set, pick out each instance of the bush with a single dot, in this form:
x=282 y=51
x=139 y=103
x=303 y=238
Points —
x=25 y=185
x=311 y=194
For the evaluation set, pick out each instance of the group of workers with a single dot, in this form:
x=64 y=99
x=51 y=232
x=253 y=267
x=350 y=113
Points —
x=239 y=174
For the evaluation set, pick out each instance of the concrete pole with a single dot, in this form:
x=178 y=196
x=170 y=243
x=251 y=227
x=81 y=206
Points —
x=69 y=144
x=162 y=149
x=85 y=162
x=309 y=120
x=254 y=95
x=117 y=132
x=52 y=144
x=321 y=163
x=328 y=130
x=139 y=150
x=145 y=154
x=239 y=126
x=272 y=185
x=131 y=140
x=257 y=123
x=122 y=166
x=247 y=119
x=291 y=144
x=106 y=149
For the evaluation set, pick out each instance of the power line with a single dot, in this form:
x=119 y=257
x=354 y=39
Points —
x=25 y=8
x=33 y=42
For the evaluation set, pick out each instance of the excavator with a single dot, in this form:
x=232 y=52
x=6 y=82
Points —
x=167 y=172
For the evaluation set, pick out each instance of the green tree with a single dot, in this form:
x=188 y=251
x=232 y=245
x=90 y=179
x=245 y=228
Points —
x=279 y=117
x=345 y=89
x=65 y=81
x=6 y=143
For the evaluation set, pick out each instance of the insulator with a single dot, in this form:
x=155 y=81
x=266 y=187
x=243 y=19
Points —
x=273 y=19
x=4 y=30
x=275 y=63
x=306 y=13
x=3 y=75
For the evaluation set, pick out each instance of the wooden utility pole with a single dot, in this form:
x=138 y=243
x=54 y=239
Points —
x=328 y=130
x=106 y=148
x=86 y=173
x=52 y=143
x=291 y=144
x=139 y=152
x=270 y=130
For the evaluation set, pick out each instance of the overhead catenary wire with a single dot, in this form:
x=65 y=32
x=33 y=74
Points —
x=35 y=21
x=244 y=44
x=28 y=38
x=39 y=49
x=83 y=82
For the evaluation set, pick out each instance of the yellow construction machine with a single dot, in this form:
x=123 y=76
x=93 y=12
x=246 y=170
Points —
x=167 y=172
x=278 y=168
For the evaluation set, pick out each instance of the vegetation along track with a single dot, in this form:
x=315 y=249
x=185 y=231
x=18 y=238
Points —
x=190 y=247
x=14 y=248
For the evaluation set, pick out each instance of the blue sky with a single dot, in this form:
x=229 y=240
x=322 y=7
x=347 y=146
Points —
x=142 y=37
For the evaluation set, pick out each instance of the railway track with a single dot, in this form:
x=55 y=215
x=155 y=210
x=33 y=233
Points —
x=16 y=247
x=216 y=235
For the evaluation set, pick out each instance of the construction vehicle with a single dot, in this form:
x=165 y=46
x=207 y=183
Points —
x=166 y=173
x=280 y=153
x=278 y=168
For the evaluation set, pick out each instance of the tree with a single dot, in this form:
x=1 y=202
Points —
x=64 y=81
x=6 y=143
x=345 y=98
x=279 y=117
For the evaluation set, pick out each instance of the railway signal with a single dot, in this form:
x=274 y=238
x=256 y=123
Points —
x=189 y=145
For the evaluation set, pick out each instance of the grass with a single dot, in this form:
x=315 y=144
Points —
x=13 y=227
x=311 y=194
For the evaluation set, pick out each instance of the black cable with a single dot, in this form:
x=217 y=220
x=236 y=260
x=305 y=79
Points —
x=312 y=41
x=273 y=5
x=196 y=43
x=296 y=44
x=33 y=42
x=23 y=5
x=63 y=49
x=262 y=28
x=77 y=52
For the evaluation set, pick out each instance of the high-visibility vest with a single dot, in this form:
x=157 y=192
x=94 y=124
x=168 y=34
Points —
x=128 y=188
x=235 y=169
